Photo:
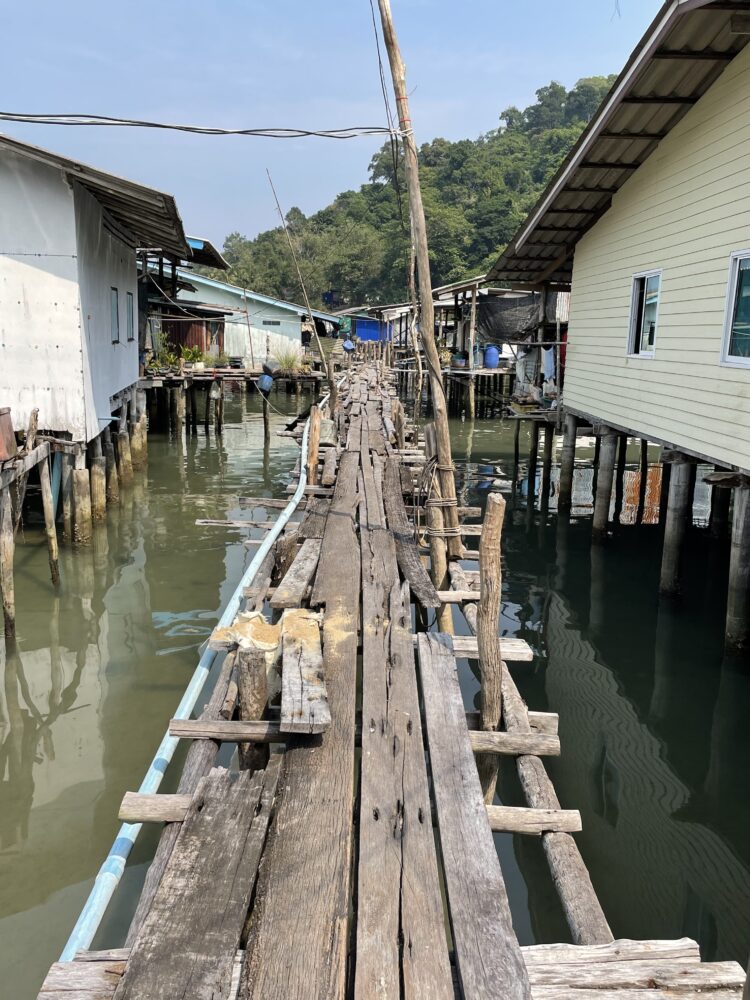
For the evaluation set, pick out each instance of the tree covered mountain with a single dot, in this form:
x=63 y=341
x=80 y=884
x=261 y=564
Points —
x=476 y=193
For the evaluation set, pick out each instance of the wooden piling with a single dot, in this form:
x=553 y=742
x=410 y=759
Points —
x=124 y=459
x=547 y=454
x=98 y=473
x=533 y=459
x=622 y=448
x=7 y=547
x=313 y=446
x=50 y=529
x=604 y=482
x=679 y=515
x=112 y=481
x=488 y=615
x=66 y=488
x=642 y=482
x=82 y=506
x=737 y=632
x=567 y=463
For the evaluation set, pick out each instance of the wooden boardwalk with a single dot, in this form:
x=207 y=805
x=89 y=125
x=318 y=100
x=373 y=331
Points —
x=352 y=854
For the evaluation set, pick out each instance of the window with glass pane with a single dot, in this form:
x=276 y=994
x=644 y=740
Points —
x=739 y=331
x=114 y=314
x=643 y=319
x=130 y=315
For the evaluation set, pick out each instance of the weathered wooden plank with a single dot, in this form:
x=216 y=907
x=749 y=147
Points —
x=139 y=808
x=314 y=521
x=304 y=699
x=651 y=975
x=406 y=550
x=255 y=593
x=92 y=980
x=622 y=950
x=188 y=941
x=457 y=596
x=227 y=731
x=291 y=591
x=328 y=476
x=522 y=819
x=540 y=722
x=513 y=650
x=21 y=466
x=513 y=744
x=300 y=950
x=402 y=949
x=488 y=956
x=567 y=992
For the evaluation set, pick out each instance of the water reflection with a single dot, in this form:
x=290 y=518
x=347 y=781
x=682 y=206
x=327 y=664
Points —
x=654 y=749
x=98 y=669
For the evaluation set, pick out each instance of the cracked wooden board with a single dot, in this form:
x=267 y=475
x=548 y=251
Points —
x=304 y=699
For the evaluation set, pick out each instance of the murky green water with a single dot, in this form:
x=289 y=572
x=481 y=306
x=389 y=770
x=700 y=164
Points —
x=654 y=750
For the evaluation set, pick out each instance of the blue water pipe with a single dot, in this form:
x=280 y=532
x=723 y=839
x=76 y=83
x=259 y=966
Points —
x=113 y=867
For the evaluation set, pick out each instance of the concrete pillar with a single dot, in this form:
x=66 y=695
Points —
x=549 y=449
x=642 y=482
x=622 y=450
x=124 y=460
x=113 y=485
x=679 y=516
x=99 y=488
x=719 y=521
x=737 y=634
x=604 y=479
x=567 y=463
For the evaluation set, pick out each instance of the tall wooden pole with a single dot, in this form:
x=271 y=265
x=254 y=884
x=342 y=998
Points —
x=427 y=311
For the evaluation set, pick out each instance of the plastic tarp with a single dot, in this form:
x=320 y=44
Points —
x=513 y=317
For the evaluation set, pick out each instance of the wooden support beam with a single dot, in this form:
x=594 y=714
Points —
x=293 y=586
x=7 y=548
x=137 y=807
x=521 y=819
x=50 y=528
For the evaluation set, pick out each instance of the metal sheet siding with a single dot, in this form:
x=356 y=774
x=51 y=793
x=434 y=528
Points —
x=684 y=211
x=41 y=363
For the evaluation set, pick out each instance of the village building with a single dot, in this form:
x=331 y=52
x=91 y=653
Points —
x=647 y=221
x=69 y=318
x=223 y=319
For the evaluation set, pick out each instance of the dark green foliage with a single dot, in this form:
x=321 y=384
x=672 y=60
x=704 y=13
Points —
x=476 y=193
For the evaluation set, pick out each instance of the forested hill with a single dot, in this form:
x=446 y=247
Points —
x=476 y=192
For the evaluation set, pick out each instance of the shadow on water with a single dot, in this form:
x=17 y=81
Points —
x=653 y=716
x=86 y=694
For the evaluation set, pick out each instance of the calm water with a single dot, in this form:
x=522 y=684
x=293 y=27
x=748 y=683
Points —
x=654 y=750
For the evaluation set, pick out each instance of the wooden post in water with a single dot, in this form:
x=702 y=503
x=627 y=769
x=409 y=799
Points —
x=604 y=479
x=124 y=460
x=533 y=459
x=488 y=615
x=679 y=516
x=313 y=446
x=113 y=485
x=50 y=528
x=98 y=465
x=567 y=463
x=622 y=448
x=642 y=482
x=7 y=548
x=549 y=449
x=66 y=488
x=737 y=632
x=82 y=501
x=427 y=310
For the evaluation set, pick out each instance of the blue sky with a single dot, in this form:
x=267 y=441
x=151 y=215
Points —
x=284 y=63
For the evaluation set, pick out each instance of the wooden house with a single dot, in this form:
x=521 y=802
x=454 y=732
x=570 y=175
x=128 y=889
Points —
x=648 y=219
x=69 y=236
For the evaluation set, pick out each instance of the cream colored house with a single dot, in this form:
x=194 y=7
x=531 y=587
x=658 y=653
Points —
x=649 y=221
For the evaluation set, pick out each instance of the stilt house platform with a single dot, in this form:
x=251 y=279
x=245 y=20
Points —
x=352 y=855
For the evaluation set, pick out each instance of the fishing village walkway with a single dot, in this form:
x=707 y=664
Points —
x=352 y=855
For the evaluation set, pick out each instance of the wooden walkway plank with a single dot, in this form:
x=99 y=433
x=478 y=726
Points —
x=304 y=700
x=406 y=550
x=291 y=590
x=299 y=929
x=522 y=819
x=488 y=956
x=314 y=521
x=401 y=948
x=188 y=941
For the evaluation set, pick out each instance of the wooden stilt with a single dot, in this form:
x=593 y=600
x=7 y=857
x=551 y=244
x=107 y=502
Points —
x=737 y=633
x=567 y=463
x=679 y=514
x=124 y=460
x=533 y=459
x=549 y=450
x=666 y=473
x=67 y=495
x=98 y=473
x=50 y=528
x=334 y=400
x=266 y=424
x=604 y=480
x=642 y=482
x=622 y=447
x=488 y=615
x=7 y=547
x=516 y=443
x=313 y=447
x=112 y=482
x=82 y=506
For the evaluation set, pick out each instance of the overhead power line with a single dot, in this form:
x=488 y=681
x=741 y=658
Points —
x=353 y=132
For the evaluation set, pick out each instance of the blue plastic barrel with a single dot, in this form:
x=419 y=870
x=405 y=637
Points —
x=265 y=383
x=491 y=356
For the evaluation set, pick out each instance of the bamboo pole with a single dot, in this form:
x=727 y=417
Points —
x=427 y=311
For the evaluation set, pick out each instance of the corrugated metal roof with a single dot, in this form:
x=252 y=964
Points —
x=204 y=252
x=684 y=51
x=151 y=216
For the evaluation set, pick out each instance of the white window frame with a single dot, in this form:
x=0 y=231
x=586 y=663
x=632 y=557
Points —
x=726 y=360
x=633 y=322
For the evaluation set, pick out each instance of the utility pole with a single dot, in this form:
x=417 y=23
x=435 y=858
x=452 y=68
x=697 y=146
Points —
x=427 y=311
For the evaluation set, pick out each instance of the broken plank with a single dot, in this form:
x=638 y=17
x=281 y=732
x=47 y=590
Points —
x=314 y=521
x=406 y=550
x=513 y=650
x=541 y=722
x=457 y=596
x=513 y=744
x=304 y=700
x=488 y=956
x=328 y=476
x=291 y=591
x=227 y=731
x=188 y=941
x=653 y=975
x=621 y=950
x=521 y=819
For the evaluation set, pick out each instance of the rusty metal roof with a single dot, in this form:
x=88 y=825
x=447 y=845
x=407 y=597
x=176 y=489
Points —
x=150 y=216
x=684 y=51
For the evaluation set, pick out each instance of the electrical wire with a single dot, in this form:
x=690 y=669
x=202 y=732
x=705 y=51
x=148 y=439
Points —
x=392 y=125
x=352 y=132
